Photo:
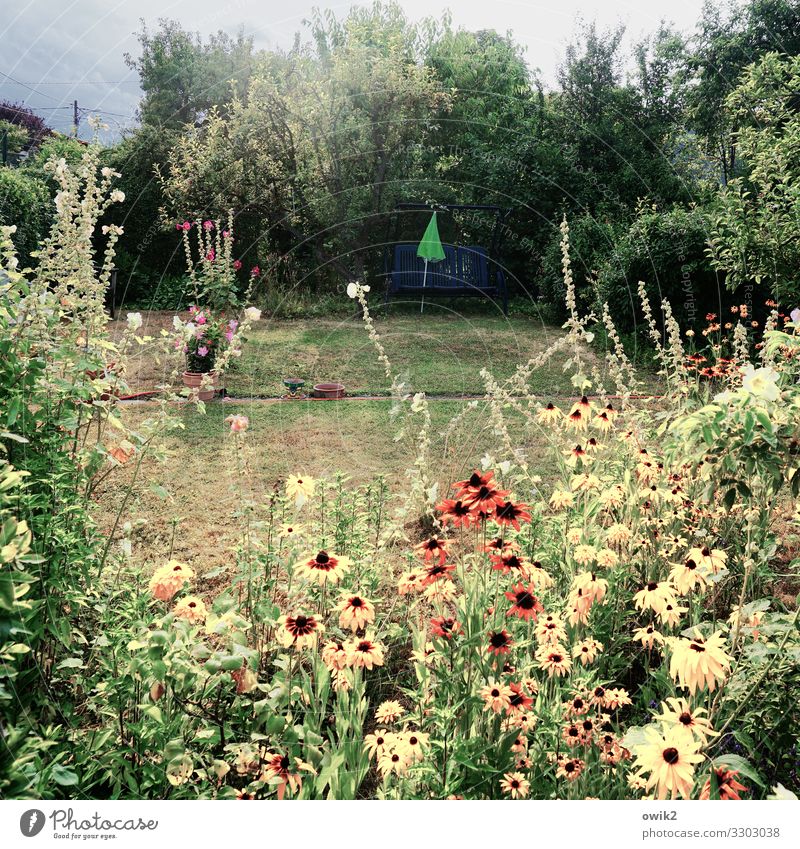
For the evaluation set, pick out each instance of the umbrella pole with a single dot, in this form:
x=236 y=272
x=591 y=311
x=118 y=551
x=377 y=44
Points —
x=424 y=277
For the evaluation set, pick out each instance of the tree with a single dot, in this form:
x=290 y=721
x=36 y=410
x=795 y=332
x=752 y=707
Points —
x=24 y=118
x=318 y=148
x=754 y=235
x=183 y=77
x=730 y=37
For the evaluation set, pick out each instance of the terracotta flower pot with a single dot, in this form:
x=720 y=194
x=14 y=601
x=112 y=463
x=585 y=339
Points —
x=329 y=390
x=194 y=379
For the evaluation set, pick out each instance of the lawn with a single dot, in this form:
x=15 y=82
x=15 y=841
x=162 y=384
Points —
x=438 y=352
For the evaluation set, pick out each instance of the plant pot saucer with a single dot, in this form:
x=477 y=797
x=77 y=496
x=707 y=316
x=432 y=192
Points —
x=329 y=390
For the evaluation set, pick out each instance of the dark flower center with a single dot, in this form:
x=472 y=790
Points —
x=285 y=762
x=356 y=602
x=652 y=586
x=697 y=647
x=323 y=558
x=671 y=756
x=690 y=564
x=498 y=640
x=525 y=600
x=685 y=718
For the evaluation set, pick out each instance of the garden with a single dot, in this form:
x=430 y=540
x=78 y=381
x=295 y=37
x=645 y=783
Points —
x=267 y=535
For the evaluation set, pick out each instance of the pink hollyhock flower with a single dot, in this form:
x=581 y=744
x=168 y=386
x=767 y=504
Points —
x=233 y=324
x=239 y=424
x=202 y=351
x=255 y=271
x=178 y=226
x=208 y=225
x=237 y=264
x=187 y=225
x=211 y=256
x=200 y=318
x=226 y=234
x=229 y=335
x=794 y=315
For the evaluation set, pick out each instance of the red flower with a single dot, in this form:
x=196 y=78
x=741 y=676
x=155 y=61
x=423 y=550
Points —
x=456 y=512
x=511 y=514
x=525 y=604
x=500 y=642
x=446 y=627
x=474 y=482
x=437 y=572
x=237 y=264
x=433 y=548
x=510 y=561
x=519 y=701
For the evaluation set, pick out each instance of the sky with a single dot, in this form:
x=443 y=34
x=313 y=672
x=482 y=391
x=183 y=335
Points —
x=53 y=52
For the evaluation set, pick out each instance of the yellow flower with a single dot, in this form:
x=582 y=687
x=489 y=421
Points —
x=688 y=575
x=587 y=650
x=410 y=744
x=554 y=660
x=192 y=609
x=670 y=760
x=698 y=663
x=300 y=488
x=561 y=499
x=389 y=711
x=648 y=636
x=680 y=714
x=323 y=568
x=712 y=560
x=496 y=697
x=515 y=785
x=655 y=595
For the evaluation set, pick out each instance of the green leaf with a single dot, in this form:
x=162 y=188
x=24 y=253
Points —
x=64 y=776
x=740 y=765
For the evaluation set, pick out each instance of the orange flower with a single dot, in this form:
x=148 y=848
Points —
x=435 y=547
x=455 y=512
x=728 y=787
x=168 y=579
x=507 y=513
x=355 y=612
x=445 y=626
x=364 y=653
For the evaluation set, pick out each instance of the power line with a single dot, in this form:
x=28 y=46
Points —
x=25 y=85
x=79 y=82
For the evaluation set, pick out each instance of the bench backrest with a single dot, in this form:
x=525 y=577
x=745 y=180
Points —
x=462 y=268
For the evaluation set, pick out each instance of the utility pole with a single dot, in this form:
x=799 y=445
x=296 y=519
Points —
x=75 y=117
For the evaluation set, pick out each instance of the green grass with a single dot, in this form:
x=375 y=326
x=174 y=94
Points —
x=440 y=353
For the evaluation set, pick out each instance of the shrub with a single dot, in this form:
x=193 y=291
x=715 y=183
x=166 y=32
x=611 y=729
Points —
x=25 y=202
x=668 y=251
x=591 y=240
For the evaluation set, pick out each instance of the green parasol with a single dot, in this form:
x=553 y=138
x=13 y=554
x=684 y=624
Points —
x=430 y=249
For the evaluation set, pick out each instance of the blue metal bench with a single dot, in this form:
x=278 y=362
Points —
x=465 y=271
